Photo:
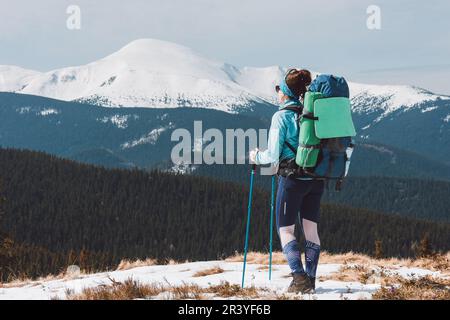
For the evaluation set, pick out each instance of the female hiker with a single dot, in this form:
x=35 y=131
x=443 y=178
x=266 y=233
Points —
x=296 y=197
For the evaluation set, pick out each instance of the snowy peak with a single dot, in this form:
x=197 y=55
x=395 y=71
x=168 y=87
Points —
x=160 y=74
x=166 y=58
x=162 y=56
x=147 y=73
x=14 y=78
x=261 y=81
x=389 y=98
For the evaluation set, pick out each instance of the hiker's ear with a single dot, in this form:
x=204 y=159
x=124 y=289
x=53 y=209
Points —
x=282 y=97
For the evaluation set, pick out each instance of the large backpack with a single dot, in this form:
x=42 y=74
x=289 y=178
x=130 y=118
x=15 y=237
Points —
x=326 y=131
x=330 y=86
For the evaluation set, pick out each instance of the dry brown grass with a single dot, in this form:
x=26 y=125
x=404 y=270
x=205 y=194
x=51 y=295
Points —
x=127 y=264
x=350 y=273
x=227 y=290
x=128 y=290
x=266 y=267
x=208 y=272
x=23 y=281
x=364 y=274
x=425 y=288
x=187 y=291
x=286 y=296
x=259 y=258
x=437 y=262
x=131 y=289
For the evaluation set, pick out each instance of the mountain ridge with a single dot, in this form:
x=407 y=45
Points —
x=127 y=137
x=155 y=73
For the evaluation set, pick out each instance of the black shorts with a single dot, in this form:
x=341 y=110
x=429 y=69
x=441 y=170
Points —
x=298 y=197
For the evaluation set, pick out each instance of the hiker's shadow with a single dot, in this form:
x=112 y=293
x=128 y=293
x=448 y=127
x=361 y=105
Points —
x=344 y=289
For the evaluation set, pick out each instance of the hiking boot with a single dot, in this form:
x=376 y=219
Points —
x=313 y=283
x=301 y=283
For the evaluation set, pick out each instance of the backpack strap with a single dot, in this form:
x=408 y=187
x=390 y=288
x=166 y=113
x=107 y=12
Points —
x=290 y=146
x=310 y=116
x=298 y=109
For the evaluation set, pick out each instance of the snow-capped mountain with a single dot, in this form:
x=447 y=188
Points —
x=158 y=74
x=389 y=98
x=14 y=78
x=147 y=73
x=154 y=73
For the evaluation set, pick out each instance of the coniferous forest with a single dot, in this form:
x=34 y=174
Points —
x=56 y=212
x=427 y=199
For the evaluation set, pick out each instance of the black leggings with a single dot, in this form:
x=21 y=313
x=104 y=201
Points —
x=296 y=196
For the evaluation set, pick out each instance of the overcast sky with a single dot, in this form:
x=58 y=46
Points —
x=331 y=36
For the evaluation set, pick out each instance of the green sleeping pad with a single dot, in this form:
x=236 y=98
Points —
x=307 y=151
x=334 y=118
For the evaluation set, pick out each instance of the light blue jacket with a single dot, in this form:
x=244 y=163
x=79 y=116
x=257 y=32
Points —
x=284 y=127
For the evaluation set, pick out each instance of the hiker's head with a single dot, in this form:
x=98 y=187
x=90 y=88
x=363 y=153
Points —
x=294 y=85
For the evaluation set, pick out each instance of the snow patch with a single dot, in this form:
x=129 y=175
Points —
x=150 y=138
x=23 y=110
x=428 y=109
x=120 y=121
x=162 y=117
x=447 y=118
x=182 y=168
x=383 y=150
x=47 y=112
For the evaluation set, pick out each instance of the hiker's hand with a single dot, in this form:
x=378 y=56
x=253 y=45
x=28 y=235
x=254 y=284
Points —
x=252 y=155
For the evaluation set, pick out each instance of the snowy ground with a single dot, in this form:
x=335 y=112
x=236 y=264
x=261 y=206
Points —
x=179 y=274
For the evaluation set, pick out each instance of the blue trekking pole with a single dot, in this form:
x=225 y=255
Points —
x=271 y=225
x=249 y=210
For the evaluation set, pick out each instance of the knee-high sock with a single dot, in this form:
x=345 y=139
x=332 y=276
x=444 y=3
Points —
x=312 y=253
x=292 y=253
